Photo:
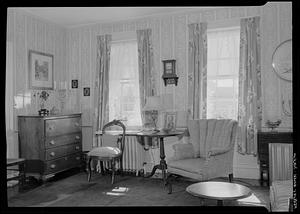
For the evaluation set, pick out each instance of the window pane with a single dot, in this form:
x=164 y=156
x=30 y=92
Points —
x=222 y=73
x=124 y=98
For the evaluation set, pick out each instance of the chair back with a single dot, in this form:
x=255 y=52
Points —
x=117 y=138
x=280 y=161
x=212 y=135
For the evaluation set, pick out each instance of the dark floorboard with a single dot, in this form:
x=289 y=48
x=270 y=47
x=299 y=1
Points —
x=71 y=189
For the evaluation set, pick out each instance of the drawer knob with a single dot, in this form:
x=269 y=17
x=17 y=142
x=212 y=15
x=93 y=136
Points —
x=52 y=142
x=77 y=158
x=51 y=127
x=52 y=166
x=52 y=154
x=77 y=137
x=76 y=124
x=77 y=147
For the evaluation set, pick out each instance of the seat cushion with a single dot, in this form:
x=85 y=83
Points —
x=183 y=151
x=280 y=192
x=106 y=151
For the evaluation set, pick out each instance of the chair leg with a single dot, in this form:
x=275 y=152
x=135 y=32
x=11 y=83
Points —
x=113 y=172
x=230 y=176
x=121 y=167
x=89 y=168
x=101 y=167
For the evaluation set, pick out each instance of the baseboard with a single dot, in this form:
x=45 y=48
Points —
x=246 y=171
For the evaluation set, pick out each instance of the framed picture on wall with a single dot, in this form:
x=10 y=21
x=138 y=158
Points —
x=40 y=70
x=74 y=83
x=86 y=91
x=170 y=121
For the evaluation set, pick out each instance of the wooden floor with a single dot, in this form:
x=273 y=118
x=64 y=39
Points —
x=74 y=190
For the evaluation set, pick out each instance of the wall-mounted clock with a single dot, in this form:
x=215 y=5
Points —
x=169 y=76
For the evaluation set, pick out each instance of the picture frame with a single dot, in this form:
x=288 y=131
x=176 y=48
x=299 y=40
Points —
x=40 y=70
x=86 y=91
x=74 y=83
x=170 y=121
x=151 y=118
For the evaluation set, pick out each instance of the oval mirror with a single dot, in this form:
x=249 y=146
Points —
x=282 y=60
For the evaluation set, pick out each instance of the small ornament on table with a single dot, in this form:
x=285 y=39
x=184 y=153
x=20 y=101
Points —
x=43 y=98
x=273 y=125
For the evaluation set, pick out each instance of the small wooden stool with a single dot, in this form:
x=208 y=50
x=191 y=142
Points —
x=20 y=162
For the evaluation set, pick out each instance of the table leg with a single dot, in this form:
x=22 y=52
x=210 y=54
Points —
x=153 y=171
x=220 y=203
x=163 y=164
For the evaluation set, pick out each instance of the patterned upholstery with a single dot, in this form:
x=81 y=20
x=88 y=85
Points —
x=210 y=135
x=280 y=192
x=210 y=144
x=105 y=152
x=109 y=147
x=281 y=174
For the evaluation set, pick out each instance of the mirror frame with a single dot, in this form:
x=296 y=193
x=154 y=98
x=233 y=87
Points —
x=278 y=72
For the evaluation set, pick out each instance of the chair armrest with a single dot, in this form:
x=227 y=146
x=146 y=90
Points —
x=225 y=154
x=182 y=151
x=217 y=151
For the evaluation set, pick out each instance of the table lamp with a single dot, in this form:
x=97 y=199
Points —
x=153 y=105
x=166 y=102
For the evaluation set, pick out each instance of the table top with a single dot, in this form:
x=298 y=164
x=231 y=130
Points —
x=145 y=133
x=219 y=190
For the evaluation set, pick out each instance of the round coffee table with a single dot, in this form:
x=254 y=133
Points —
x=219 y=191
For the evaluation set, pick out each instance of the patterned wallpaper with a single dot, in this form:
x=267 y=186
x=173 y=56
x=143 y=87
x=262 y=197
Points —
x=170 y=42
x=74 y=51
x=25 y=32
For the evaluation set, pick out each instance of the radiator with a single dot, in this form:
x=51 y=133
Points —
x=132 y=156
x=280 y=161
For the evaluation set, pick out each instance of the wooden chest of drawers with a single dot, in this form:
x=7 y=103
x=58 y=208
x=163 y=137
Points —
x=50 y=144
x=263 y=140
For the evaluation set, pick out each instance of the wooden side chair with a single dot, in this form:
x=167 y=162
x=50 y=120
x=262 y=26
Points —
x=111 y=149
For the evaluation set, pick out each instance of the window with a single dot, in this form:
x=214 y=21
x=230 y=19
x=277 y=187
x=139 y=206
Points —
x=124 y=100
x=222 y=72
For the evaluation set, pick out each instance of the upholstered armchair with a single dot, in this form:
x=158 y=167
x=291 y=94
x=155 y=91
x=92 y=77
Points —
x=206 y=152
x=281 y=177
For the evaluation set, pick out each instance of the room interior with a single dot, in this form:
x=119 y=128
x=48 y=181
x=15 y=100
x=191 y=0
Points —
x=70 y=39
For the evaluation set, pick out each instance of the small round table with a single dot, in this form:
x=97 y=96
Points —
x=219 y=191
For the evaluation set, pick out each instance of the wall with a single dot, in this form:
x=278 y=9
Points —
x=26 y=32
x=170 y=41
x=75 y=56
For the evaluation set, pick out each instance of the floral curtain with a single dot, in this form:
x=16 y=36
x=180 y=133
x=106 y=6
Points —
x=197 y=70
x=146 y=76
x=249 y=98
x=102 y=83
x=146 y=71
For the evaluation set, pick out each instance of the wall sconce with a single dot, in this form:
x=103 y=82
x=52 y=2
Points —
x=169 y=76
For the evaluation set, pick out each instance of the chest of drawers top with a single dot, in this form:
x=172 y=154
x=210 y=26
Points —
x=51 y=126
x=275 y=137
x=49 y=117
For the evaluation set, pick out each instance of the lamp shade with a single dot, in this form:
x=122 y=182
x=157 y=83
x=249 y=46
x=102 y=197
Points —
x=152 y=103
x=166 y=101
